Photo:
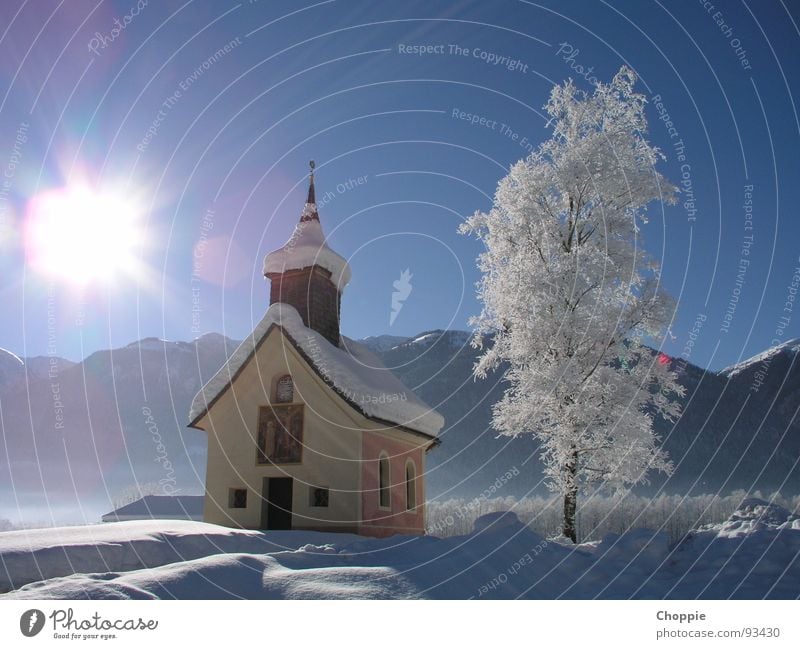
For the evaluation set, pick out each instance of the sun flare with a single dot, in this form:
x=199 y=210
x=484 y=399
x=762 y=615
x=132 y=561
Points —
x=80 y=236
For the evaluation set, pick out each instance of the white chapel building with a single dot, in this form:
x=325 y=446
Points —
x=306 y=428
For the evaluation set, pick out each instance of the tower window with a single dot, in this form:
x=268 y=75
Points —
x=384 y=483
x=411 y=486
x=237 y=498
x=284 y=389
x=320 y=497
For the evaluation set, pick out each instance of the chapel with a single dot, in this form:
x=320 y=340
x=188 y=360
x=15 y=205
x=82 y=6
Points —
x=306 y=428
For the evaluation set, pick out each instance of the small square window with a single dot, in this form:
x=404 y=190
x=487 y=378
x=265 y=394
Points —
x=319 y=496
x=237 y=498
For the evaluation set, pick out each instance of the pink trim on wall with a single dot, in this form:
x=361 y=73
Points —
x=377 y=521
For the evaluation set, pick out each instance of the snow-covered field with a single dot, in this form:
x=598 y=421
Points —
x=754 y=554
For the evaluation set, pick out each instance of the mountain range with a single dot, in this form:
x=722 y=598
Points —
x=77 y=434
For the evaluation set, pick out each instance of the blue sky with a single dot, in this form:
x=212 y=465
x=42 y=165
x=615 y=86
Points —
x=400 y=162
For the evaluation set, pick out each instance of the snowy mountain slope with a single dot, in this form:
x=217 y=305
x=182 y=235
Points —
x=719 y=444
x=382 y=343
x=117 y=406
x=788 y=348
x=13 y=370
x=79 y=436
x=755 y=554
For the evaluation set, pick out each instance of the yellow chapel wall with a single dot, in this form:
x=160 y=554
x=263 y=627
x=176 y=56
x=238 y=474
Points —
x=331 y=445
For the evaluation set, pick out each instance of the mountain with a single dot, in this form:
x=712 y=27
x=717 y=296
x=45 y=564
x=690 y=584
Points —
x=78 y=433
x=383 y=343
x=729 y=436
x=12 y=369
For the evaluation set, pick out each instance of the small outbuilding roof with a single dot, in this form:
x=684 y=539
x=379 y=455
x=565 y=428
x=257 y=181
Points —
x=161 y=507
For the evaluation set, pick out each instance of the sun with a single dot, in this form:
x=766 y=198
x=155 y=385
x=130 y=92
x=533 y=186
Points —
x=80 y=236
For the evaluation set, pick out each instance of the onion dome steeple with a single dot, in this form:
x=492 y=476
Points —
x=307 y=274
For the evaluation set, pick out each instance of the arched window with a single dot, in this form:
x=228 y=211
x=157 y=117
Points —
x=284 y=389
x=384 y=482
x=411 y=485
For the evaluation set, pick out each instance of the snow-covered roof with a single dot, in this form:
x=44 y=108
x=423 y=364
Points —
x=160 y=506
x=354 y=372
x=307 y=247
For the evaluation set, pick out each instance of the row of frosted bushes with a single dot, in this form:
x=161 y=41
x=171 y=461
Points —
x=599 y=515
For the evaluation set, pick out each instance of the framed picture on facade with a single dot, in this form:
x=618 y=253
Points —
x=280 y=434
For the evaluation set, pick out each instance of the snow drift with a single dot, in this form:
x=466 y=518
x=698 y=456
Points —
x=754 y=554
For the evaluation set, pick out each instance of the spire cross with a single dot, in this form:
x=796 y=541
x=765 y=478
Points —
x=310 y=213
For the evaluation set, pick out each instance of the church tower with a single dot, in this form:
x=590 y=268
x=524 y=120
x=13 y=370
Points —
x=306 y=274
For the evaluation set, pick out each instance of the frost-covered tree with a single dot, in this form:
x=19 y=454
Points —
x=570 y=296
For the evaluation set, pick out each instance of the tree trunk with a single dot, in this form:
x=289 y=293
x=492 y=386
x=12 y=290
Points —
x=571 y=497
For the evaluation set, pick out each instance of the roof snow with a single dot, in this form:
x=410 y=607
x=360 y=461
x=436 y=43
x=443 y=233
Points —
x=353 y=372
x=307 y=247
x=155 y=506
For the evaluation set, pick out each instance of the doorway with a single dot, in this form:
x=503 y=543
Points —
x=276 y=504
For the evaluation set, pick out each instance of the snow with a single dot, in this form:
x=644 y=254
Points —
x=500 y=559
x=354 y=371
x=31 y=555
x=153 y=344
x=307 y=247
x=569 y=293
x=790 y=346
x=383 y=343
x=424 y=337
